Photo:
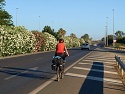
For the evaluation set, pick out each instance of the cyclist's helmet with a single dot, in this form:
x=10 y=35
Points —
x=61 y=40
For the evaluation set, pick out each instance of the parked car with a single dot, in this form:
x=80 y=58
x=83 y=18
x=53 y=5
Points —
x=85 y=46
x=94 y=44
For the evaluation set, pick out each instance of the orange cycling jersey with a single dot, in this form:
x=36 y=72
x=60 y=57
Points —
x=60 y=47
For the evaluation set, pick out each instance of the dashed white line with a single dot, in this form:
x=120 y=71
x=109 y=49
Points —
x=15 y=75
x=38 y=58
x=35 y=68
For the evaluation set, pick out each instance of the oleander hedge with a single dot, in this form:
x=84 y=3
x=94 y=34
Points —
x=51 y=42
x=40 y=41
x=16 y=40
x=19 y=40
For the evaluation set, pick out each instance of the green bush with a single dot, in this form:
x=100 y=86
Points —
x=119 y=45
x=15 y=40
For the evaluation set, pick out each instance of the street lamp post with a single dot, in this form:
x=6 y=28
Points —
x=107 y=30
x=16 y=16
x=113 y=27
x=52 y=24
x=39 y=23
x=105 y=34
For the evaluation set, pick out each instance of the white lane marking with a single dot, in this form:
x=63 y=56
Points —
x=15 y=75
x=38 y=58
x=35 y=91
x=1 y=68
x=95 y=78
x=100 y=57
x=107 y=62
x=35 y=68
x=96 y=65
x=95 y=70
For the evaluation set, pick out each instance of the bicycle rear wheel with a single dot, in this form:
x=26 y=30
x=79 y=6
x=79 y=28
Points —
x=58 y=73
x=62 y=74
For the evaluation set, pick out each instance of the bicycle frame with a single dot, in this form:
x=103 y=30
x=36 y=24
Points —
x=59 y=67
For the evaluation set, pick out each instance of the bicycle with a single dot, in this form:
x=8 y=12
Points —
x=58 y=66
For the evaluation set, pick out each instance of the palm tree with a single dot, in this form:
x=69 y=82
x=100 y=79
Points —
x=61 y=32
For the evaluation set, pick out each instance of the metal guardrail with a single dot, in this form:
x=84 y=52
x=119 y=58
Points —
x=121 y=67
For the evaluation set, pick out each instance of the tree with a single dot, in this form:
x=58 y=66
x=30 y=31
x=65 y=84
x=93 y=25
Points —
x=5 y=18
x=2 y=3
x=85 y=37
x=120 y=34
x=73 y=35
x=61 y=32
x=50 y=31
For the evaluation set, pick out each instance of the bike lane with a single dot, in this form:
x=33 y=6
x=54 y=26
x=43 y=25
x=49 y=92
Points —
x=93 y=74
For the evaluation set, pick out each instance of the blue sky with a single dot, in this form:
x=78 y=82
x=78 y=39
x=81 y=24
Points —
x=75 y=16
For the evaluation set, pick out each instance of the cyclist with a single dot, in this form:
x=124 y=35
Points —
x=61 y=50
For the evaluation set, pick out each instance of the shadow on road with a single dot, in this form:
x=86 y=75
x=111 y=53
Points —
x=30 y=73
x=93 y=83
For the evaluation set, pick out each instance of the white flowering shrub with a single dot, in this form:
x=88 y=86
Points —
x=68 y=41
x=71 y=42
x=51 y=42
x=75 y=42
x=15 y=40
x=81 y=41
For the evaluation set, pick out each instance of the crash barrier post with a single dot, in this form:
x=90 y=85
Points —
x=121 y=68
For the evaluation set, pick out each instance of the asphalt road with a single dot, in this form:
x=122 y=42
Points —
x=24 y=73
x=93 y=74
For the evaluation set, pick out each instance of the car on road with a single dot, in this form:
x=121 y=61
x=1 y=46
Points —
x=85 y=46
x=94 y=44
